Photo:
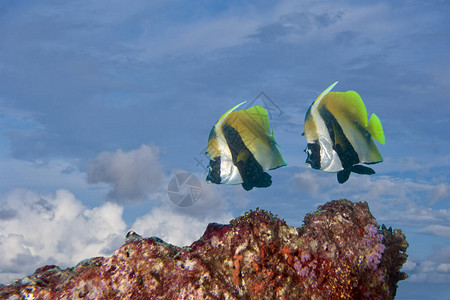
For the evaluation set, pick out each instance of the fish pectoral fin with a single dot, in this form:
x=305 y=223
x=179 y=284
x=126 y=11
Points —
x=359 y=169
x=342 y=176
x=243 y=155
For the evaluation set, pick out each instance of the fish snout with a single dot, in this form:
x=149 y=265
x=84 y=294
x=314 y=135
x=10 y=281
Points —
x=313 y=152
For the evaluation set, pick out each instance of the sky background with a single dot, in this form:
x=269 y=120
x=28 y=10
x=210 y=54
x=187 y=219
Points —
x=102 y=103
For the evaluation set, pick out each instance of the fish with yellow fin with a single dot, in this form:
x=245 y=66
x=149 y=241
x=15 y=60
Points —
x=339 y=136
x=241 y=149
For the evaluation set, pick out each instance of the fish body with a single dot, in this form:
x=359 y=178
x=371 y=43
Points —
x=241 y=148
x=339 y=136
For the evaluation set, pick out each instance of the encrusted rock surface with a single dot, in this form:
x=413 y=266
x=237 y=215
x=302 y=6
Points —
x=339 y=253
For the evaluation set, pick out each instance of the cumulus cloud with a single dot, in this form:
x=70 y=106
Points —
x=132 y=175
x=439 y=192
x=390 y=198
x=39 y=229
x=435 y=268
x=440 y=230
x=183 y=225
x=174 y=227
x=403 y=203
x=295 y=24
x=312 y=182
x=443 y=268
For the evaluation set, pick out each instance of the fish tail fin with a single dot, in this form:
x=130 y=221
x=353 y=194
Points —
x=275 y=141
x=375 y=129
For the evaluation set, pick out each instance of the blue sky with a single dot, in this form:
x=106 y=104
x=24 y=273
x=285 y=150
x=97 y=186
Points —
x=102 y=103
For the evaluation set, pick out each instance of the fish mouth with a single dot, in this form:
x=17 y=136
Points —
x=310 y=164
x=313 y=158
x=211 y=178
x=214 y=171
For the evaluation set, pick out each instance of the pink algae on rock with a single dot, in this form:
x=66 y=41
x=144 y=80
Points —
x=339 y=253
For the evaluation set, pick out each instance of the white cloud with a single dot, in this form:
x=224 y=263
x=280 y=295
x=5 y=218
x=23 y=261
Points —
x=54 y=229
x=417 y=164
x=182 y=226
x=305 y=182
x=394 y=201
x=39 y=229
x=409 y=266
x=443 y=268
x=436 y=268
x=440 y=230
x=132 y=175
x=172 y=227
x=401 y=203
x=439 y=192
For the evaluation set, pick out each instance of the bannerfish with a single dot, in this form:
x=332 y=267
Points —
x=241 y=148
x=338 y=135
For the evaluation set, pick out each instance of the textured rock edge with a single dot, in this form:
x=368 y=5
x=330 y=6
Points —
x=339 y=252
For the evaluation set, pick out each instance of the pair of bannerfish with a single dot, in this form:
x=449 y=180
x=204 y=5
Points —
x=339 y=136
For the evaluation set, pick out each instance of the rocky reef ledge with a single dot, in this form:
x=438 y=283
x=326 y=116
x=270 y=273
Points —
x=339 y=253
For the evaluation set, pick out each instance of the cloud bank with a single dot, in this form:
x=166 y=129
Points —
x=39 y=229
x=132 y=175
x=183 y=225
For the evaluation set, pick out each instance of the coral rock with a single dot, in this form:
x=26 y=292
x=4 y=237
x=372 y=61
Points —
x=339 y=253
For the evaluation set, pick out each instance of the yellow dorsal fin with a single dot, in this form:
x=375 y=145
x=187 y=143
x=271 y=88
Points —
x=259 y=115
x=326 y=91
x=253 y=126
x=375 y=129
x=346 y=106
x=254 y=119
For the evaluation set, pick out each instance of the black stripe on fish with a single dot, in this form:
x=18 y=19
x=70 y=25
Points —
x=346 y=152
x=251 y=171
